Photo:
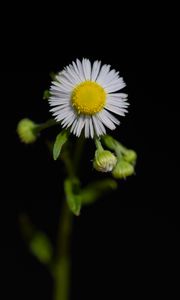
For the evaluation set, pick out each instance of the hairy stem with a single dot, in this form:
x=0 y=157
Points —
x=47 y=124
x=63 y=259
x=62 y=267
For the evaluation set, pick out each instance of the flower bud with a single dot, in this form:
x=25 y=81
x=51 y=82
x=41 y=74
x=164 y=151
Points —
x=104 y=161
x=130 y=156
x=122 y=169
x=26 y=131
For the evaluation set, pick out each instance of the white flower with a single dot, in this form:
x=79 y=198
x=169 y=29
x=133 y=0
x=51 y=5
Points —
x=86 y=96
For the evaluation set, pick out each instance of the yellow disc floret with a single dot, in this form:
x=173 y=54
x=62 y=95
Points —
x=88 y=98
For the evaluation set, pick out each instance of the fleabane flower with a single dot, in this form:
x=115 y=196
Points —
x=104 y=161
x=26 y=131
x=86 y=96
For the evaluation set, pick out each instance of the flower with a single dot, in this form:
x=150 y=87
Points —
x=26 y=131
x=85 y=96
x=104 y=161
x=130 y=156
x=122 y=169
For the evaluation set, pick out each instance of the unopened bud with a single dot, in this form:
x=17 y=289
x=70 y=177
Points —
x=130 y=156
x=122 y=169
x=26 y=131
x=104 y=161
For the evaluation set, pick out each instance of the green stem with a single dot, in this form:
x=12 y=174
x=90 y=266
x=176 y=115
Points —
x=78 y=152
x=63 y=259
x=98 y=144
x=46 y=125
x=114 y=145
x=62 y=267
x=68 y=164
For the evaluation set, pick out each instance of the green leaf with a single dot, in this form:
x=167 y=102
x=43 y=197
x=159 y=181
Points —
x=41 y=247
x=37 y=242
x=96 y=189
x=73 y=199
x=61 y=139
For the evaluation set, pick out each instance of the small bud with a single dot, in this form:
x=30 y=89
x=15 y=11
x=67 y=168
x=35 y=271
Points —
x=104 y=161
x=26 y=131
x=122 y=169
x=130 y=156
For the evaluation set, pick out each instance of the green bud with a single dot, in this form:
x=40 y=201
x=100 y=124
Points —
x=104 y=161
x=130 y=156
x=26 y=131
x=122 y=169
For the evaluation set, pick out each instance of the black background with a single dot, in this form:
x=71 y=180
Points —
x=126 y=243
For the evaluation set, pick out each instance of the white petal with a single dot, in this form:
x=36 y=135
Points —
x=111 y=117
x=68 y=76
x=86 y=68
x=61 y=98
x=96 y=126
x=79 y=126
x=116 y=85
x=95 y=70
x=87 y=127
x=110 y=77
x=80 y=70
x=60 y=88
x=117 y=103
x=67 y=122
x=59 y=94
x=116 y=110
x=120 y=95
x=91 y=128
x=60 y=107
x=111 y=98
x=58 y=102
x=63 y=80
x=106 y=120
x=71 y=71
x=62 y=84
x=103 y=130
x=102 y=74
x=61 y=115
x=74 y=124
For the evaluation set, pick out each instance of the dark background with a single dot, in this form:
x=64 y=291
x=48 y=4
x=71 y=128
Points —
x=126 y=242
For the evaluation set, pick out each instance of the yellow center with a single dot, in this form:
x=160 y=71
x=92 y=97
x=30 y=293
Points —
x=88 y=98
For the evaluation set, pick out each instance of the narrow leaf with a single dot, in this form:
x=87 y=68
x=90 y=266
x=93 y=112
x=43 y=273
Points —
x=95 y=190
x=73 y=200
x=61 y=139
x=41 y=247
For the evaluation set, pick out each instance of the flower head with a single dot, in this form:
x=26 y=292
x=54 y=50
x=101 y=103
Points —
x=26 y=132
x=122 y=169
x=85 y=96
x=104 y=161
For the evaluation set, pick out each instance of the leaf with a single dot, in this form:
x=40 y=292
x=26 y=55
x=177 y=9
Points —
x=61 y=139
x=96 y=189
x=73 y=200
x=41 y=247
x=37 y=242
